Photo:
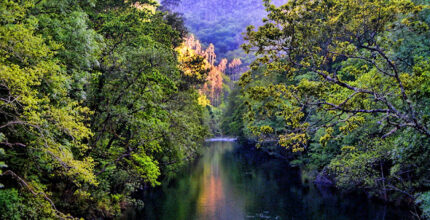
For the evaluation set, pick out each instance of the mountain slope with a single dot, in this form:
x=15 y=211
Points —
x=220 y=22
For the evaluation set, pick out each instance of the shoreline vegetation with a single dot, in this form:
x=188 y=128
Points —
x=342 y=86
x=96 y=102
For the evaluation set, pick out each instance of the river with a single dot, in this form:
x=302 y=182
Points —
x=230 y=181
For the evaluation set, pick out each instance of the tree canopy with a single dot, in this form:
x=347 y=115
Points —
x=344 y=85
x=94 y=103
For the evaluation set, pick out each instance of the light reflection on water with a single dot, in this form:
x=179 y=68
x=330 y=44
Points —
x=232 y=182
x=217 y=199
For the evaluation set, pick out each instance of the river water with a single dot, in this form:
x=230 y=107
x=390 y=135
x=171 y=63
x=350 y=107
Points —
x=231 y=182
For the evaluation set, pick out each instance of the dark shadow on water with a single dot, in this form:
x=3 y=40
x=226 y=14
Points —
x=232 y=181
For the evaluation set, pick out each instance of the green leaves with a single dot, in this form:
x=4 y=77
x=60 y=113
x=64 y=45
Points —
x=35 y=98
x=349 y=79
x=355 y=69
x=2 y=164
x=147 y=168
x=423 y=201
x=92 y=99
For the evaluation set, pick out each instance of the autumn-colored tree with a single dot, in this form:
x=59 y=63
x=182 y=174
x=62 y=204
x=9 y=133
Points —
x=190 y=41
x=194 y=66
x=234 y=68
x=218 y=84
x=234 y=64
x=210 y=54
x=222 y=65
x=214 y=86
x=194 y=63
x=198 y=48
x=193 y=44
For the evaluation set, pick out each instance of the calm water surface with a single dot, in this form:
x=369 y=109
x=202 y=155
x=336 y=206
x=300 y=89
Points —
x=232 y=182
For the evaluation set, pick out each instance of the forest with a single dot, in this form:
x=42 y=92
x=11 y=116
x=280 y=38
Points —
x=101 y=100
x=343 y=86
x=95 y=104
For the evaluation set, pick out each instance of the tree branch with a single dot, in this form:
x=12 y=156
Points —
x=43 y=194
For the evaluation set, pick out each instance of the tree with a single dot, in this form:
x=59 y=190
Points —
x=95 y=103
x=234 y=68
x=222 y=65
x=210 y=54
x=43 y=129
x=337 y=71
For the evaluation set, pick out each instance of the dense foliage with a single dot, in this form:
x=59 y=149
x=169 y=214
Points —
x=94 y=103
x=345 y=85
x=102 y=98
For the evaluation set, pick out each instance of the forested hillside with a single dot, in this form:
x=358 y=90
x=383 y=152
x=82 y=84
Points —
x=94 y=105
x=220 y=22
x=344 y=86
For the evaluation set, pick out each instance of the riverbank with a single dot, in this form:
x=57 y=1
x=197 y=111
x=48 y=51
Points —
x=323 y=179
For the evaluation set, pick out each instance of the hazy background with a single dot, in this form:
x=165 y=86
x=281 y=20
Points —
x=221 y=22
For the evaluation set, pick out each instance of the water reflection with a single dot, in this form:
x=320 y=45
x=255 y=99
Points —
x=234 y=182
x=217 y=199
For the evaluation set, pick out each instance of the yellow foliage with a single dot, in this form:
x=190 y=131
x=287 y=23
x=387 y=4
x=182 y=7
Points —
x=203 y=100
x=191 y=63
x=348 y=148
